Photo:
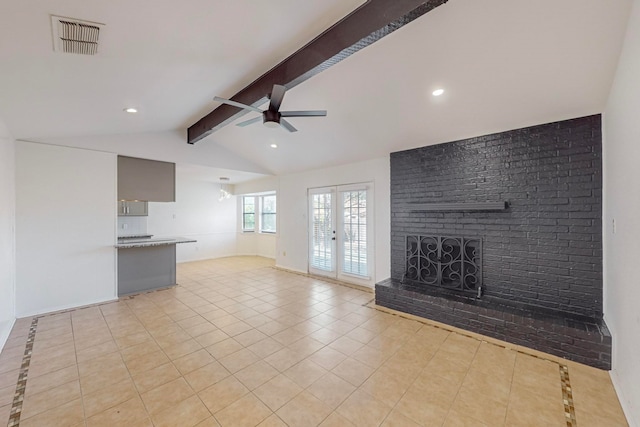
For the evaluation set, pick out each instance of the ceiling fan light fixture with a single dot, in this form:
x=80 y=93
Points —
x=271 y=118
x=271 y=124
x=226 y=191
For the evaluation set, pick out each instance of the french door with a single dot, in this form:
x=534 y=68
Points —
x=341 y=233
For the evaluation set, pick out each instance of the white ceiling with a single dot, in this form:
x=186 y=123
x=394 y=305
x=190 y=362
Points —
x=195 y=172
x=504 y=64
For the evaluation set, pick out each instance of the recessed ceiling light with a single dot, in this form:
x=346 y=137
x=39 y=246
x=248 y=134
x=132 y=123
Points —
x=437 y=92
x=130 y=110
x=274 y=146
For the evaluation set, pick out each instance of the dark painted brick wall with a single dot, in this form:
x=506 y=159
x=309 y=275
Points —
x=546 y=249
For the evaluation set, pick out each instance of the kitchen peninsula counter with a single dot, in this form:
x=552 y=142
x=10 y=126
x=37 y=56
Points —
x=125 y=243
x=146 y=264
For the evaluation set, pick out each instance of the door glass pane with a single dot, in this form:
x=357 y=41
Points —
x=354 y=240
x=322 y=232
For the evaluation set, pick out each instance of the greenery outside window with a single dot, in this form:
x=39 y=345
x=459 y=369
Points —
x=268 y=214
x=248 y=213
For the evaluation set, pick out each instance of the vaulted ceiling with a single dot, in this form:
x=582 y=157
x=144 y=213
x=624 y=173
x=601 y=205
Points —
x=503 y=64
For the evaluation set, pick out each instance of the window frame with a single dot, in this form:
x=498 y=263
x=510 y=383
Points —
x=263 y=213
x=258 y=213
x=244 y=214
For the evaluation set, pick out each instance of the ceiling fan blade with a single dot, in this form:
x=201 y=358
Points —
x=277 y=93
x=237 y=104
x=248 y=122
x=288 y=126
x=308 y=113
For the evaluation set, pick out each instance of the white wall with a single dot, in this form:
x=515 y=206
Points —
x=293 y=238
x=7 y=234
x=65 y=227
x=170 y=146
x=260 y=244
x=622 y=204
x=199 y=214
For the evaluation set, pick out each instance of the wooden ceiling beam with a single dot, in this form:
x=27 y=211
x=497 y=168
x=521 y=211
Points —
x=361 y=28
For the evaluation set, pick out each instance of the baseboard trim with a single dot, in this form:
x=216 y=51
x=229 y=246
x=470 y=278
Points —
x=60 y=309
x=222 y=256
x=291 y=270
x=327 y=279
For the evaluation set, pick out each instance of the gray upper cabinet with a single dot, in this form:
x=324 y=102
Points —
x=143 y=179
x=126 y=208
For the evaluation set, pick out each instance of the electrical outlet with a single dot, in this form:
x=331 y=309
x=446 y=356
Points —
x=613 y=223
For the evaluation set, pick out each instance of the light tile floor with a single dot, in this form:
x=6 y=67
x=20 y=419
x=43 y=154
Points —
x=240 y=343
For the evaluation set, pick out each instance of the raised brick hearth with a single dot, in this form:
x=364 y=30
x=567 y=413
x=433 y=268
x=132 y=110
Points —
x=540 y=236
x=576 y=338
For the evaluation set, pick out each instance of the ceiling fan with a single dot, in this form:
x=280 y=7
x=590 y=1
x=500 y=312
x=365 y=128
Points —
x=272 y=116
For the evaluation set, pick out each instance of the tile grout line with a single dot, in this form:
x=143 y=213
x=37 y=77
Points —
x=21 y=385
x=171 y=361
x=327 y=280
x=564 y=374
x=75 y=350
x=120 y=350
x=567 y=396
x=368 y=305
x=371 y=304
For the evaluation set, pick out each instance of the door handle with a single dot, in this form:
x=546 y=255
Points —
x=333 y=238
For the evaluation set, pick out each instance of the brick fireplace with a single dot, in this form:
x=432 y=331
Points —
x=502 y=235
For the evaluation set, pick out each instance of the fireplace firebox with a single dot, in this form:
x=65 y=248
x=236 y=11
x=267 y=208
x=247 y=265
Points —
x=445 y=261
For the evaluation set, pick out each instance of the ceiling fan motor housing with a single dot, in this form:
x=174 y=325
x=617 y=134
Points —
x=270 y=118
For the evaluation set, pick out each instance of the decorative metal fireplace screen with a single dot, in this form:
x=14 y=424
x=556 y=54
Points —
x=449 y=262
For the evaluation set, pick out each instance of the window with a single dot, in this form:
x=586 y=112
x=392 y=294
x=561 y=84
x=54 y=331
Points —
x=268 y=214
x=248 y=213
x=259 y=213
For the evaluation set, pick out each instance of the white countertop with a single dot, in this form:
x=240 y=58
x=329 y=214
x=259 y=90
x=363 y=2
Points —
x=157 y=241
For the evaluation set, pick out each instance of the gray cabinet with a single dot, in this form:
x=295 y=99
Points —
x=143 y=179
x=144 y=269
x=127 y=208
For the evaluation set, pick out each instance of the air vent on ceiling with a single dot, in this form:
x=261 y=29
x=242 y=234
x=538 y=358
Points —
x=75 y=36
